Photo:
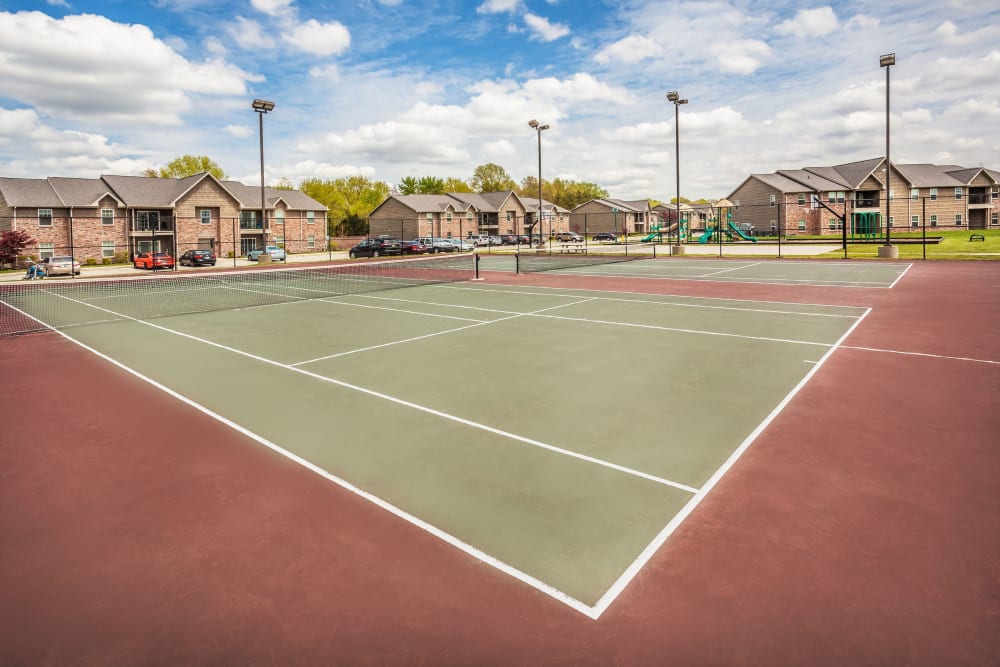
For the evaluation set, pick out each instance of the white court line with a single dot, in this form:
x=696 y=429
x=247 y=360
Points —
x=396 y=310
x=735 y=268
x=919 y=354
x=633 y=569
x=540 y=290
x=900 y=276
x=605 y=298
x=792 y=282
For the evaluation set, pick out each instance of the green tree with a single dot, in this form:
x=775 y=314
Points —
x=284 y=184
x=187 y=165
x=425 y=185
x=491 y=177
x=350 y=200
x=456 y=185
x=564 y=193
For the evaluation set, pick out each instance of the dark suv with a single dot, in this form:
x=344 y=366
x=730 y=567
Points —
x=376 y=248
x=604 y=236
x=198 y=258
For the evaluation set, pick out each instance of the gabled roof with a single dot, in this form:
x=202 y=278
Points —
x=430 y=203
x=248 y=196
x=967 y=175
x=814 y=180
x=84 y=192
x=147 y=191
x=30 y=192
x=488 y=202
x=622 y=205
x=929 y=175
x=531 y=205
x=855 y=173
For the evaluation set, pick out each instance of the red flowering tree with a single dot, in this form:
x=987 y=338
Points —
x=12 y=245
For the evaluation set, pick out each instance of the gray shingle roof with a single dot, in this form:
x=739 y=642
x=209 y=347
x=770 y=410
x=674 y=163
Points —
x=85 y=192
x=30 y=192
x=929 y=175
x=814 y=180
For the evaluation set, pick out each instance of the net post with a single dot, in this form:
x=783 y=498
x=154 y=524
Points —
x=517 y=262
x=476 y=272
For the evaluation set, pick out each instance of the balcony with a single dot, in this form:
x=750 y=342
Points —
x=152 y=226
x=257 y=225
x=980 y=199
x=866 y=202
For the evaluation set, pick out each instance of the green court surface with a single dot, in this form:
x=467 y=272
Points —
x=773 y=272
x=558 y=435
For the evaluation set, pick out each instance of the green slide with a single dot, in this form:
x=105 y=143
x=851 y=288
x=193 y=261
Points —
x=653 y=233
x=739 y=232
x=706 y=237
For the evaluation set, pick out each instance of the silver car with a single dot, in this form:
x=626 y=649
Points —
x=63 y=265
x=462 y=245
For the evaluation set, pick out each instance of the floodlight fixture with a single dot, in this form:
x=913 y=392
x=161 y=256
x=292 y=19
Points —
x=887 y=60
x=263 y=106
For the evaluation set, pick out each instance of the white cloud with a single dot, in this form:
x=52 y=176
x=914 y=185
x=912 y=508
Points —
x=497 y=150
x=248 y=34
x=497 y=6
x=321 y=39
x=272 y=7
x=862 y=22
x=741 y=56
x=326 y=72
x=238 y=131
x=579 y=87
x=810 y=23
x=545 y=30
x=630 y=50
x=58 y=3
x=89 y=66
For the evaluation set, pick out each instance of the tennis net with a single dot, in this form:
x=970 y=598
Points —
x=533 y=262
x=27 y=307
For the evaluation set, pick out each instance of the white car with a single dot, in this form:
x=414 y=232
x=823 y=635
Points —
x=277 y=254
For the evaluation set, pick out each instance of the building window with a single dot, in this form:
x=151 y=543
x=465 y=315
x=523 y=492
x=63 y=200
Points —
x=45 y=217
x=914 y=194
x=933 y=221
x=310 y=217
x=279 y=241
x=774 y=200
x=832 y=223
x=958 y=193
x=206 y=216
x=802 y=225
x=107 y=249
x=802 y=199
x=46 y=250
x=892 y=194
x=508 y=216
x=310 y=242
x=994 y=219
x=279 y=216
x=107 y=216
x=891 y=221
x=430 y=216
x=468 y=215
x=773 y=226
x=958 y=219
x=831 y=197
x=449 y=216
x=933 y=194
x=914 y=221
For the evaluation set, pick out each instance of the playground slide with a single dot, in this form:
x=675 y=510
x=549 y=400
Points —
x=704 y=238
x=657 y=231
x=739 y=232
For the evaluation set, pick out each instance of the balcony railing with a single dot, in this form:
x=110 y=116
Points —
x=251 y=224
x=979 y=199
x=161 y=226
x=866 y=202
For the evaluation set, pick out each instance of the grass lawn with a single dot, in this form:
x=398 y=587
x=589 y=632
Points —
x=953 y=245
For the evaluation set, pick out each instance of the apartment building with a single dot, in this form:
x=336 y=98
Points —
x=114 y=218
x=815 y=200
x=616 y=216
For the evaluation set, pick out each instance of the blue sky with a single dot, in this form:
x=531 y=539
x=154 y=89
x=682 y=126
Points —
x=391 y=88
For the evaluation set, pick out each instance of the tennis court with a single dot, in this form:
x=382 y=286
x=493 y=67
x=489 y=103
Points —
x=560 y=460
x=560 y=434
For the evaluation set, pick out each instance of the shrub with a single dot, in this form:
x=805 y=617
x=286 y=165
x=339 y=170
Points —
x=90 y=261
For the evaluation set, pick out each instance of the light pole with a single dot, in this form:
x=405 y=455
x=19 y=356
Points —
x=538 y=130
x=674 y=97
x=887 y=61
x=262 y=107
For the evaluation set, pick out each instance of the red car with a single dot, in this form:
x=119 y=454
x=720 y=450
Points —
x=153 y=260
x=414 y=248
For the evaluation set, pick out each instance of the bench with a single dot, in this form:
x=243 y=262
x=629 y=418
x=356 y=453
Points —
x=572 y=247
x=977 y=237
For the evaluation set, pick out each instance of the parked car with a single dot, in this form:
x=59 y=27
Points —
x=509 y=239
x=482 y=240
x=199 y=257
x=376 y=248
x=604 y=236
x=524 y=239
x=413 y=248
x=462 y=245
x=277 y=254
x=63 y=265
x=153 y=260
x=437 y=244
x=569 y=237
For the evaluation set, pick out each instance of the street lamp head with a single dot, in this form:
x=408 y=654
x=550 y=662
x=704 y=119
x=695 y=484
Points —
x=673 y=96
x=887 y=59
x=533 y=124
x=262 y=106
x=542 y=127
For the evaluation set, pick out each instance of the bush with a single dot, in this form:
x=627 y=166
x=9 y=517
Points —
x=90 y=261
x=120 y=258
